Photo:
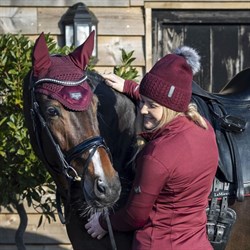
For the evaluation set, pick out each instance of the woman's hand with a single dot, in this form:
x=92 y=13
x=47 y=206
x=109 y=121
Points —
x=94 y=228
x=114 y=81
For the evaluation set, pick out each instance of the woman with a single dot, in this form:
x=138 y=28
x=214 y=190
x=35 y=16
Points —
x=176 y=167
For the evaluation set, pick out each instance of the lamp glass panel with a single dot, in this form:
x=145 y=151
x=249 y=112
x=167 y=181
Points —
x=82 y=33
x=69 y=35
x=94 y=50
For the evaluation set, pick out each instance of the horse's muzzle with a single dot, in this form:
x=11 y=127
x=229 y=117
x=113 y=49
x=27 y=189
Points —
x=102 y=192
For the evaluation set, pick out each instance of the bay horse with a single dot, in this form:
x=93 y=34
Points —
x=85 y=134
x=96 y=126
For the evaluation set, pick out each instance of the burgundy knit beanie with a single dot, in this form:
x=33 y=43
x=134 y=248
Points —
x=169 y=82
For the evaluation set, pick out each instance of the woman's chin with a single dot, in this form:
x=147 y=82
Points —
x=148 y=125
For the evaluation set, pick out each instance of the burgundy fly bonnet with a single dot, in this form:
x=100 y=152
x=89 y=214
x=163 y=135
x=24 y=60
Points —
x=62 y=77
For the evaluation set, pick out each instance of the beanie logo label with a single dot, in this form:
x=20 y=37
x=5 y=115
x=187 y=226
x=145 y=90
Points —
x=171 y=91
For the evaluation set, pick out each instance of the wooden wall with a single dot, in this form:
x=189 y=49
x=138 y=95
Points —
x=123 y=24
x=51 y=236
x=120 y=25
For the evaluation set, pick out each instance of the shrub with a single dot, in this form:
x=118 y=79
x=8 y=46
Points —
x=22 y=175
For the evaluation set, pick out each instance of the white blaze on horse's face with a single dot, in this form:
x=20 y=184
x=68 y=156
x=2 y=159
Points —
x=98 y=169
x=97 y=182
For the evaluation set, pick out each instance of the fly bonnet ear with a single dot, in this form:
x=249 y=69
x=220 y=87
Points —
x=81 y=55
x=62 y=68
x=169 y=82
x=40 y=57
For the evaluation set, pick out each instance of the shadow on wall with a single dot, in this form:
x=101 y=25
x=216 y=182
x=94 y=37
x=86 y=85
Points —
x=34 y=241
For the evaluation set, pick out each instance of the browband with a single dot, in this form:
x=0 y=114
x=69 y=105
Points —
x=64 y=83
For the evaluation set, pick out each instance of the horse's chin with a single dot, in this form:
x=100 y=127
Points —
x=92 y=205
x=101 y=201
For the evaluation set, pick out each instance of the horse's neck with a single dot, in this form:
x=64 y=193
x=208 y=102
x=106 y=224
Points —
x=117 y=121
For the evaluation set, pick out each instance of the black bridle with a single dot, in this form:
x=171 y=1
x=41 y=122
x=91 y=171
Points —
x=89 y=145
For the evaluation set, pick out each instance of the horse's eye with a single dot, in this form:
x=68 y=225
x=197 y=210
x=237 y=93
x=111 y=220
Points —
x=52 y=112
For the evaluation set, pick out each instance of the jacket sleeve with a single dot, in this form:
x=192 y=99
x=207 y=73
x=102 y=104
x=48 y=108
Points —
x=150 y=178
x=131 y=89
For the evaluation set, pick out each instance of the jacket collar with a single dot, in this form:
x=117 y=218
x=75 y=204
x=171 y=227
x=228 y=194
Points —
x=175 y=126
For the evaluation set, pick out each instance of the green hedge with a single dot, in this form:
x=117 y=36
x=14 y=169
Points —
x=22 y=175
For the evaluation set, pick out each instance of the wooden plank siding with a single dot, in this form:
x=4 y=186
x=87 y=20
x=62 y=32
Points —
x=208 y=32
x=197 y=4
x=49 y=236
x=116 y=30
x=176 y=5
x=66 y=3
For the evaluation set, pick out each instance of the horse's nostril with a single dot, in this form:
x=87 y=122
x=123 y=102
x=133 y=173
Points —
x=101 y=186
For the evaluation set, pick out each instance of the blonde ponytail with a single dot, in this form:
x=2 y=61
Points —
x=193 y=114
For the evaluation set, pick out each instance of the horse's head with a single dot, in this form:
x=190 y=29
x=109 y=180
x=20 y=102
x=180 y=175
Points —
x=64 y=129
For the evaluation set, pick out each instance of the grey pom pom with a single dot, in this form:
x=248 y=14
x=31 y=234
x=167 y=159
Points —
x=191 y=56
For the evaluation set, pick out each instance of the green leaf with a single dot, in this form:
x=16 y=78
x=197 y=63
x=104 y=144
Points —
x=130 y=54
x=2 y=153
x=3 y=121
x=12 y=125
x=125 y=70
x=20 y=152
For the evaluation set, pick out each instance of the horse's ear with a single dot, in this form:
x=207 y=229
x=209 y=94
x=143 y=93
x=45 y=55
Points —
x=40 y=57
x=81 y=55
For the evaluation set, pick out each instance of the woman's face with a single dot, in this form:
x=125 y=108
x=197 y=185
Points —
x=151 y=111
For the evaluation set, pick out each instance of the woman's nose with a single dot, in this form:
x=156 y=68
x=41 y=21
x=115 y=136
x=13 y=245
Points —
x=144 y=109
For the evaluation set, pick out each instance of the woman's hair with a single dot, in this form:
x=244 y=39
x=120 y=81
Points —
x=191 y=113
x=168 y=115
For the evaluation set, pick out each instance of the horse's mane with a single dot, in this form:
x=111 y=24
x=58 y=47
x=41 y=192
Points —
x=120 y=111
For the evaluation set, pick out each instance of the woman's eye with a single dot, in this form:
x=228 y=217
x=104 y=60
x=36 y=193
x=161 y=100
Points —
x=51 y=111
x=153 y=106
